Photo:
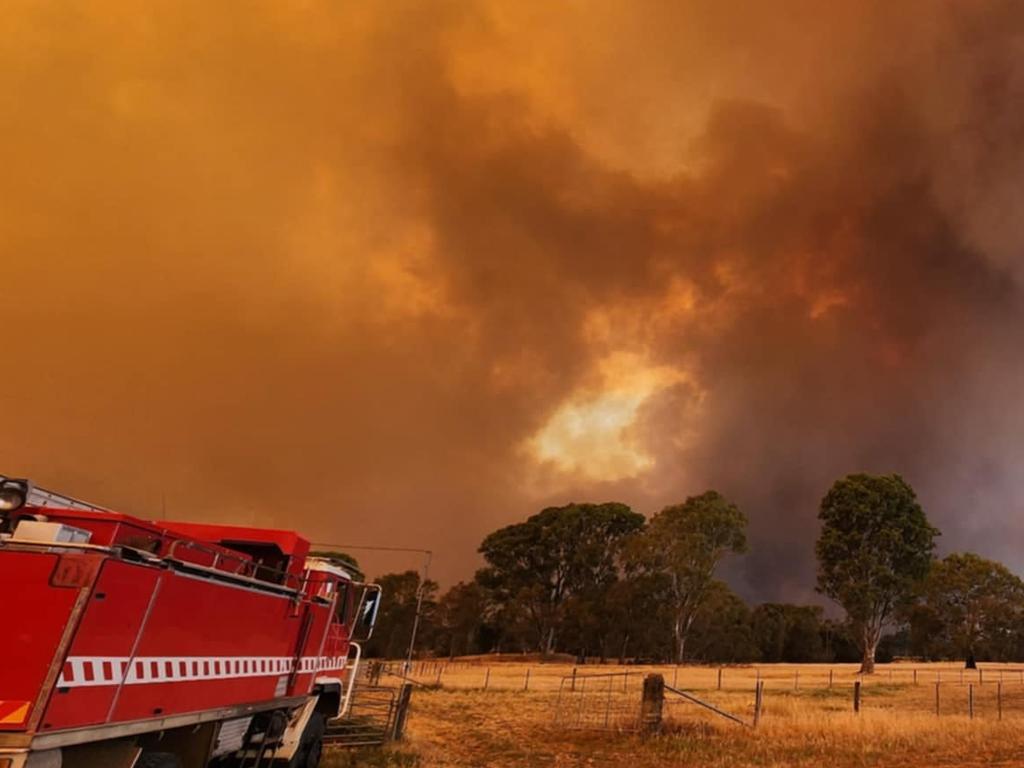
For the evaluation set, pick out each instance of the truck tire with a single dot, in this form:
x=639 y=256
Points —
x=157 y=760
x=308 y=755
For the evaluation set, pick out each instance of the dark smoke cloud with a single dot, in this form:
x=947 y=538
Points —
x=337 y=266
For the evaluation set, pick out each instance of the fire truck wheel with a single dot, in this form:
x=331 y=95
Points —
x=158 y=760
x=308 y=755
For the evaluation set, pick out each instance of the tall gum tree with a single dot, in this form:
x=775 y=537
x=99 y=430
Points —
x=556 y=554
x=874 y=550
x=685 y=543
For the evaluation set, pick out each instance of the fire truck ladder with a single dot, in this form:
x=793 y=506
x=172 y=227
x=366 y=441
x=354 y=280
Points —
x=40 y=497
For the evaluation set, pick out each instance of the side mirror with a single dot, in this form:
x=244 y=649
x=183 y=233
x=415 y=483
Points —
x=366 y=616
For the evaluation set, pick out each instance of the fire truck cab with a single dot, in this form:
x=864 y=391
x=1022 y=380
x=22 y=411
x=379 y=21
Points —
x=127 y=643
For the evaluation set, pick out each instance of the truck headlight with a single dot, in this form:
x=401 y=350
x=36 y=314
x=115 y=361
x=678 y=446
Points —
x=13 y=494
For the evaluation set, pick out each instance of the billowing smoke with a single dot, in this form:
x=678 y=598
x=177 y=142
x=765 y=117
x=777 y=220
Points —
x=401 y=273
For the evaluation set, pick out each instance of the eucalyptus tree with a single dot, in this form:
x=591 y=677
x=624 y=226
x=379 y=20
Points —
x=874 y=551
x=560 y=553
x=685 y=543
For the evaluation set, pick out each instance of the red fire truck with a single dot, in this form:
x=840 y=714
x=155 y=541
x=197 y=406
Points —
x=128 y=643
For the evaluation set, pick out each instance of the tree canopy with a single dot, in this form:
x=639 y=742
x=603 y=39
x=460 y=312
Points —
x=596 y=581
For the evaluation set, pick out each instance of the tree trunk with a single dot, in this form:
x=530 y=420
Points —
x=549 y=642
x=870 y=645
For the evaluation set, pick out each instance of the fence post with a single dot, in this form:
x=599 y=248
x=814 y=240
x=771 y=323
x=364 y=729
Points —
x=675 y=677
x=758 y=701
x=856 y=697
x=401 y=711
x=981 y=676
x=652 y=703
x=970 y=700
x=487 y=678
x=937 y=699
x=830 y=671
x=719 y=678
x=999 y=698
x=439 y=671
x=526 y=684
x=573 y=686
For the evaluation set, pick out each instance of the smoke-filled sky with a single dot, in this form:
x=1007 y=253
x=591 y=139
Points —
x=400 y=273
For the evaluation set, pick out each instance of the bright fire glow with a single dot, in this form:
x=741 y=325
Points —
x=594 y=433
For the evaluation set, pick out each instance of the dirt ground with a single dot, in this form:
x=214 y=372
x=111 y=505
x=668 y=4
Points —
x=807 y=719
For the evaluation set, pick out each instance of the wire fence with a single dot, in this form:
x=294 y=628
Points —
x=541 y=677
x=607 y=697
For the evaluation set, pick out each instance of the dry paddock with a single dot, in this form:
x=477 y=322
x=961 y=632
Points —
x=502 y=714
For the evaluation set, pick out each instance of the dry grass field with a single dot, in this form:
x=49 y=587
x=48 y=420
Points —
x=805 y=722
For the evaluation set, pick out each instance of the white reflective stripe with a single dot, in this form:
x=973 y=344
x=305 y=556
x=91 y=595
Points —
x=87 y=671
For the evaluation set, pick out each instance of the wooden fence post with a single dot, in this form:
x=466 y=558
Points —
x=856 y=697
x=675 y=677
x=719 y=678
x=487 y=678
x=526 y=684
x=830 y=671
x=573 y=685
x=970 y=700
x=915 y=677
x=401 y=711
x=937 y=699
x=652 y=703
x=758 y=701
x=999 y=699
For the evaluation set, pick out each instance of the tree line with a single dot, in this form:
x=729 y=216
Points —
x=600 y=581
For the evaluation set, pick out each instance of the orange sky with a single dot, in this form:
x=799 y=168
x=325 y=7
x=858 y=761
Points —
x=399 y=273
